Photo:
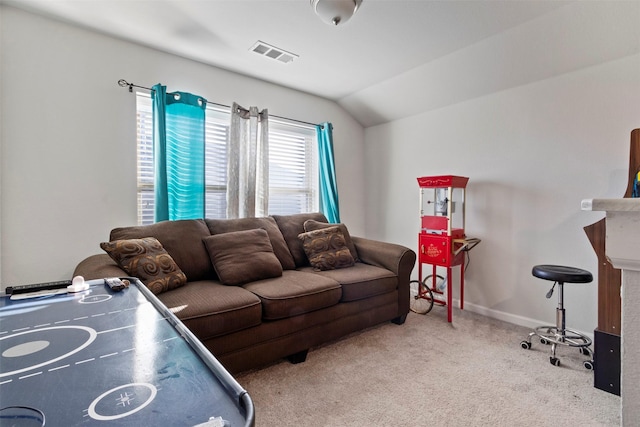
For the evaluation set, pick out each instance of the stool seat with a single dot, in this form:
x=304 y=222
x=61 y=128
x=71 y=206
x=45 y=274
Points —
x=562 y=274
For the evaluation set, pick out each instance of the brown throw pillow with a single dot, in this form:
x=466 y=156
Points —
x=241 y=257
x=292 y=225
x=326 y=249
x=182 y=239
x=312 y=225
x=279 y=245
x=147 y=260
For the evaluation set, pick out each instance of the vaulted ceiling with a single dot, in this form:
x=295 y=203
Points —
x=394 y=58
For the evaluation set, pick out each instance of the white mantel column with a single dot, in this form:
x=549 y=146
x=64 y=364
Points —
x=622 y=248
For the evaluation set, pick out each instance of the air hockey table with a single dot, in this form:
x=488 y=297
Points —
x=106 y=358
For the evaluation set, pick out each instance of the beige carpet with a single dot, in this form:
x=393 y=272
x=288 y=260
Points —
x=428 y=372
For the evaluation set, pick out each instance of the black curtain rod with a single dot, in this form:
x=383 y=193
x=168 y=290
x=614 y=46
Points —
x=124 y=83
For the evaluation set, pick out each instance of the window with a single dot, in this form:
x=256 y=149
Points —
x=293 y=163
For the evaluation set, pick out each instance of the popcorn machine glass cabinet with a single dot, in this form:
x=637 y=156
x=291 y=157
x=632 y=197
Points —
x=442 y=211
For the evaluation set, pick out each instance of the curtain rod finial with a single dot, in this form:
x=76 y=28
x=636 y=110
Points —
x=123 y=83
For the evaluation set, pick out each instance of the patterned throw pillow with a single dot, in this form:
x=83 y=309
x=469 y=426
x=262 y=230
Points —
x=147 y=260
x=326 y=249
x=312 y=225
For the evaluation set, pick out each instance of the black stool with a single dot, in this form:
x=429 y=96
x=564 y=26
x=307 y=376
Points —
x=559 y=334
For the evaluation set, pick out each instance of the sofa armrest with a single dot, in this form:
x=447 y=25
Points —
x=98 y=267
x=396 y=258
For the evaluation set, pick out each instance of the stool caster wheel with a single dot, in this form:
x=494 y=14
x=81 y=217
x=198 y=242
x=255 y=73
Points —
x=525 y=344
x=588 y=364
x=544 y=341
x=554 y=361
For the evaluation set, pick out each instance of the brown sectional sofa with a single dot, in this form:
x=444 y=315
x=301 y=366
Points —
x=264 y=320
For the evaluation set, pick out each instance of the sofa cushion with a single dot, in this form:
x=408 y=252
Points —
x=209 y=308
x=219 y=226
x=241 y=257
x=326 y=249
x=295 y=293
x=181 y=239
x=312 y=224
x=291 y=226
x=360 y=281
x=147 y=260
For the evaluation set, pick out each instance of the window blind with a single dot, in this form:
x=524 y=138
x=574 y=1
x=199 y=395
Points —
x=293 y=169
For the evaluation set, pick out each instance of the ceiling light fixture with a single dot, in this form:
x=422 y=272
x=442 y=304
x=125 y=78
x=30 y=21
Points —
x=335 y=12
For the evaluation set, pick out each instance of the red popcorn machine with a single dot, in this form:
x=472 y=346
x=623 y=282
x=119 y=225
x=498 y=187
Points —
x=442 y=241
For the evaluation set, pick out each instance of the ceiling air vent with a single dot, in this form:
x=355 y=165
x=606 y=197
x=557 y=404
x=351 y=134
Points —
x=265 y=49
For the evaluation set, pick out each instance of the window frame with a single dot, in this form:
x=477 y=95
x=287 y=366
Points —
x=293 y=163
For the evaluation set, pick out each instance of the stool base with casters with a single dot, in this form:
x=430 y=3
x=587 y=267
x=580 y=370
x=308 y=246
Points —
x=559 y=334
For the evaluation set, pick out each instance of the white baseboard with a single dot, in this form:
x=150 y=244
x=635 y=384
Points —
x=508 y=317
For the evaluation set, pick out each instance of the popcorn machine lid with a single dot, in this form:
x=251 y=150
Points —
x=440 y=181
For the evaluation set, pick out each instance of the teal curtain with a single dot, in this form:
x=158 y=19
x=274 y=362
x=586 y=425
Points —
x=328 y=186
x=179 y=154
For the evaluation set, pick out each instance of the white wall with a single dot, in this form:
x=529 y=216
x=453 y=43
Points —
x=532 y=154
x=68 y=138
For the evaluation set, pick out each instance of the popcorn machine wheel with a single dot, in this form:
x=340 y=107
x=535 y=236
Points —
x=442 y=241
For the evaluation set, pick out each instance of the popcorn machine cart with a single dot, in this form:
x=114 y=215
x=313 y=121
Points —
x=442 y=241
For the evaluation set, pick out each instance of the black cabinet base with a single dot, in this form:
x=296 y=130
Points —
x=607 y=361
x=298 y=357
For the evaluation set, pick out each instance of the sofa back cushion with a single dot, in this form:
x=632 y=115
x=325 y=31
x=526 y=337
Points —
x=280 y=248
x=293 y=225
x=181 y=239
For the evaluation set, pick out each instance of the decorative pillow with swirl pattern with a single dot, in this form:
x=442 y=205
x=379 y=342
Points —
x=326 y=249
x=312 y=225
x=147 y=260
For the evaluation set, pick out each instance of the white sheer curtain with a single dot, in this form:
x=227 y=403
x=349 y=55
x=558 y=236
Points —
x=248 y=163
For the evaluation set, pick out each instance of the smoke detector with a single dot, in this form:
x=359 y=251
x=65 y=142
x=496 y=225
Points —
x=270 y=51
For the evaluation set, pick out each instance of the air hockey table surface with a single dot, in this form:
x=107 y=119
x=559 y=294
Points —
x=100 y=357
